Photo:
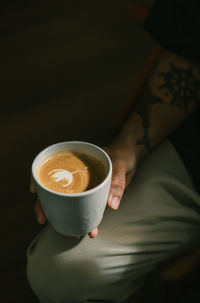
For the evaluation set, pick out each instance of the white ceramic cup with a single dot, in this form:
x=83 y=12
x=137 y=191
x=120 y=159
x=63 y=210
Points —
x=78 y=213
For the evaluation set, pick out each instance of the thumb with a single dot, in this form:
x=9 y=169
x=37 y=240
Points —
x=117 y=184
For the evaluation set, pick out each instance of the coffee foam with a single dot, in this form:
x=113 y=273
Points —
x=71 y=172
x=64 y=172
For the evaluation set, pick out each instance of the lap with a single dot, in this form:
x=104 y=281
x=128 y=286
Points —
x=158 y=216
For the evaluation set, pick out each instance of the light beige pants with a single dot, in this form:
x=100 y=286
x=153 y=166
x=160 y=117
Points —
x=159 y=216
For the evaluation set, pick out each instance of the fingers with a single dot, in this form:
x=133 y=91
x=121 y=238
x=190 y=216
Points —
x=40 y=215
x=117 y=184
x=32 y=187
x=93 y=233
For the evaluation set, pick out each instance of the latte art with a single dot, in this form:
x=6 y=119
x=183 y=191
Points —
x=63 y=174
x=71 y=172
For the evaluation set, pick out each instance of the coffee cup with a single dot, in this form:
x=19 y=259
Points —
x=73 y=213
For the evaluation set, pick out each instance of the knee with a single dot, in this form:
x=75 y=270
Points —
x=58 y=275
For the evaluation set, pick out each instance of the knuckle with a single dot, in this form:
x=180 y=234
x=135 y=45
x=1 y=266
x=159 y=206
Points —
x=119 y=183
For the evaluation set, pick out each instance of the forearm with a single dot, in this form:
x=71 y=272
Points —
x=171 y=95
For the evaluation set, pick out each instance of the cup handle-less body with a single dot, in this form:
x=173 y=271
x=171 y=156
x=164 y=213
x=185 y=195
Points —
x=80 y=216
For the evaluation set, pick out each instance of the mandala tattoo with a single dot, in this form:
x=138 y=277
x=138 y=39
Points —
x=143 y=109
x=181 y=85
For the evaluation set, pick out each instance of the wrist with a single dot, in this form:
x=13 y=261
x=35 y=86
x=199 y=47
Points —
x=125 y=152
x=127 y=145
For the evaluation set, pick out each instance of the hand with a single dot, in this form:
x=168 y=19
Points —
x=40 y=215
x=124 y=167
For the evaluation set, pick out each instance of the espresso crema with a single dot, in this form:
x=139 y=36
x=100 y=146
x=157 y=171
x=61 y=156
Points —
x=71 y=172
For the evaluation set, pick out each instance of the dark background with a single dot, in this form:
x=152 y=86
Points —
x=66 y=67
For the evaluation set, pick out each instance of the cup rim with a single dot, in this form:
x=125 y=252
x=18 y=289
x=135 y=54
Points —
x=84 y=193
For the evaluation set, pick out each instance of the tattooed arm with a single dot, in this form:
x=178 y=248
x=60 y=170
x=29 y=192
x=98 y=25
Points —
x=171 y=95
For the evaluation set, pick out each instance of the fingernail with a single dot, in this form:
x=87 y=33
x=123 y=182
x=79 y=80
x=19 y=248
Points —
x=115 y=202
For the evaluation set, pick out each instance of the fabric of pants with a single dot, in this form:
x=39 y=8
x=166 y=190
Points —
x=158 y=218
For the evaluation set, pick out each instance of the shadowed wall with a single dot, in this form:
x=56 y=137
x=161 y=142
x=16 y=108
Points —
x=66 y=67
